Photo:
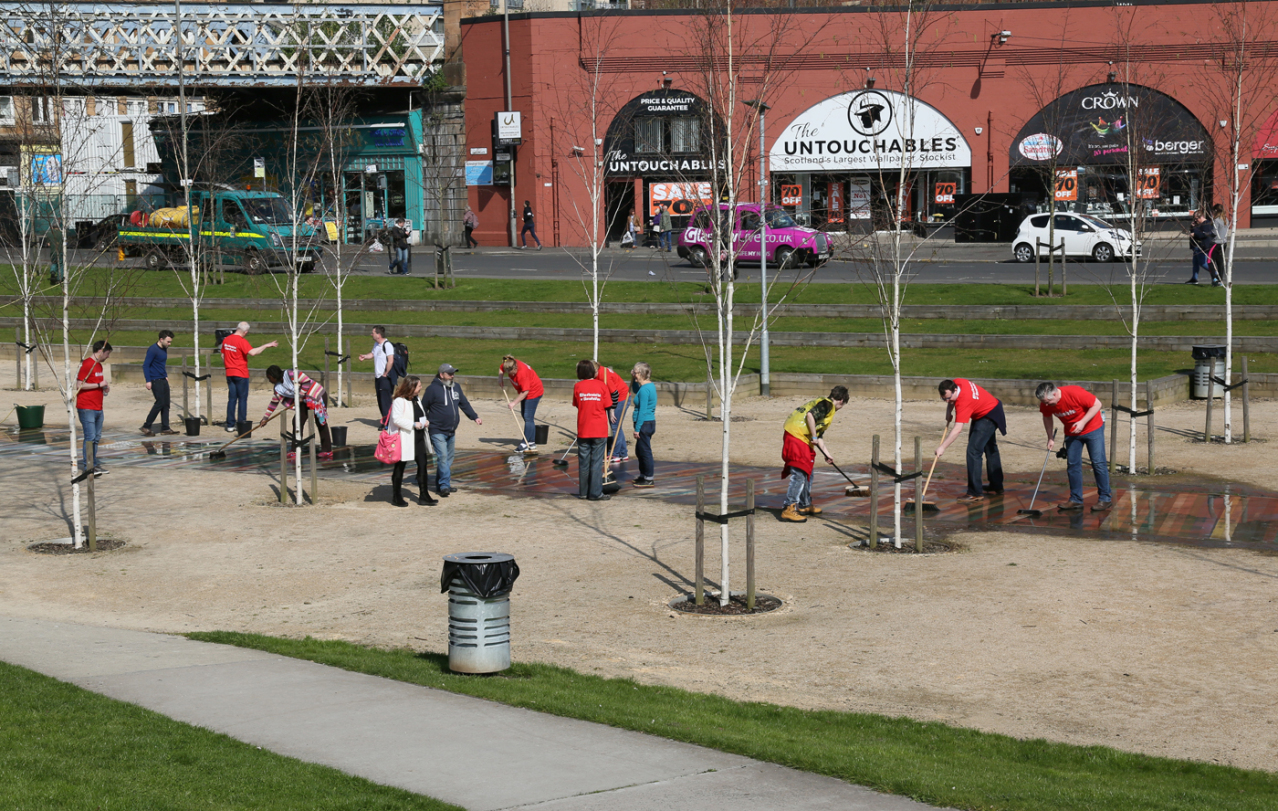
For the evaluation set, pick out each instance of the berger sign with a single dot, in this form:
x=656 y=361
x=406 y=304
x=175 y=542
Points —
x=868 y=130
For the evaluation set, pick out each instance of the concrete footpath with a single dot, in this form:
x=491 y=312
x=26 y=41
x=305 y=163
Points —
x=474 y=753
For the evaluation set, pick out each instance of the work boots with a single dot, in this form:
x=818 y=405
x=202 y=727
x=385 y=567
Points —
x=791 y=514
x=811 y=509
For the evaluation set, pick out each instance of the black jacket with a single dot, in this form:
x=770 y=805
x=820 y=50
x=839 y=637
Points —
x=1203 y=236
x=444 y=405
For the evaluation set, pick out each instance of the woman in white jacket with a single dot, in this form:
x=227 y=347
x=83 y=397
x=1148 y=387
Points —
x=401 y=416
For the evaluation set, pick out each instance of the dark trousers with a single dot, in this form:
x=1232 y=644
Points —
x=981 y=441
x=590 y=466
x=529 y=229
x=160 y=391
x=236 y=400
x=471 y=242
x=397 y=481
x=326 y=436
x=643 y=448
x=384 y=389
x=423 y=460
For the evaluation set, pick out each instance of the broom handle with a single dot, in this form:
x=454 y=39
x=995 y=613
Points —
x=251 y=430
x=620 y=418
x=519 y=428
x=932 y=469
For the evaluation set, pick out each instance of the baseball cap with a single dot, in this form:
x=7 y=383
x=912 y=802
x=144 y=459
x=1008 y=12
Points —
x=447 y=369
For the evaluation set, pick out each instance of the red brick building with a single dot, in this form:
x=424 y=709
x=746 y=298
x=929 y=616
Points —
x=1000 y=98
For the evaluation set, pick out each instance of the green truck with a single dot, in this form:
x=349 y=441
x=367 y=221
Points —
x=252 y=230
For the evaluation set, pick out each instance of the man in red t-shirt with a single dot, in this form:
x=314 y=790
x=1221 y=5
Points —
x=90 y=387
x=528 y=390
x=969 y=402
x=619 y=392
x=1080 y=412
x=592 y=401
x=236 y=350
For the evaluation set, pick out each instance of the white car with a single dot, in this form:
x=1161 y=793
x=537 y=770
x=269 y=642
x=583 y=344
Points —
x=1081 y=234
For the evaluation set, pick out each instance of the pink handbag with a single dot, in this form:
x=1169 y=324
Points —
x=388 y=451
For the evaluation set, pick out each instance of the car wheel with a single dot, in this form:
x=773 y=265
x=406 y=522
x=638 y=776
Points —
x=698 y=257
x=1024 y=252
x=155 y=260
x=1103 y=252
x=254 y=264
x=784 y=258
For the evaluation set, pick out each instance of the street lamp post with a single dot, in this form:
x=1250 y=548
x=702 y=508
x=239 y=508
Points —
x=765 y=382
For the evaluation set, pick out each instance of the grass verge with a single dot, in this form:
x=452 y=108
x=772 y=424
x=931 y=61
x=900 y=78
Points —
x=929 y=762
x=67 y=748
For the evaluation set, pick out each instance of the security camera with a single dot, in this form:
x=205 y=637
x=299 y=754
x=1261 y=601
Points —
x=1004 y=36
x=578 y=150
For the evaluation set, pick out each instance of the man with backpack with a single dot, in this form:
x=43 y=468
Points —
x=388 y=367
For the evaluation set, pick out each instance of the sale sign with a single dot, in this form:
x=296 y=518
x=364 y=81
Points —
x=1148 y=184
x=682 y=197
x=1066 y=185
x=945 y=193
x=791 y=195
x=835 y=207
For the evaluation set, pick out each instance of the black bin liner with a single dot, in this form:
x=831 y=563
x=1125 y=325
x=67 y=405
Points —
x=488 y=574
x=1206 y=351
x=220 y=335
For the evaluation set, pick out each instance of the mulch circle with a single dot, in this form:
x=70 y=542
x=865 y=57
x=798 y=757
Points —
x=54 y=548
x=930 y=547
x=736 y=607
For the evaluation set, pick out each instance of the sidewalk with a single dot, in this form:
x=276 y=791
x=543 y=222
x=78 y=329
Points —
x=462 y=750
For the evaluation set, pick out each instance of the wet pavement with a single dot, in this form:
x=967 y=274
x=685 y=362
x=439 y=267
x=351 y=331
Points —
x=1200 y=513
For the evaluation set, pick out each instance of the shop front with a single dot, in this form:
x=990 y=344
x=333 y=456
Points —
x=1264 y=176
x=1083 y=150
x=846 y=163
x=656 y=151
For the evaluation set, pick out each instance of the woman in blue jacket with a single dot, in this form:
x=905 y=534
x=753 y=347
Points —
x=645 y=416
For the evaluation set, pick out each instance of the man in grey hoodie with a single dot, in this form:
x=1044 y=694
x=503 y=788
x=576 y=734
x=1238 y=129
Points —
x=444 y=403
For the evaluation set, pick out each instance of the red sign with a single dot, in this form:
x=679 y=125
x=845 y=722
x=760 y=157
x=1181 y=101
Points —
x=1066 y=185
x=835 y=207
x=1148 y=184
x=791 y=195
x=682 y=197
x=945 y=193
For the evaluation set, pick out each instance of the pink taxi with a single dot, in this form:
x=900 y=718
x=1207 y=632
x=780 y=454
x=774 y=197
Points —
x=789 y=244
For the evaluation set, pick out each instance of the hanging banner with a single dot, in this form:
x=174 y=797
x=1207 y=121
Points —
x=945 y=192
x=835 y=204
x=1066 y=185
x=859 y=199
x=791 y=194
x=682 y=197
x=1148 y=184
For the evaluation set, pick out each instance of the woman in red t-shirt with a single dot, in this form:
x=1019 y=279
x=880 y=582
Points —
x=528 y=390
x=592 y=400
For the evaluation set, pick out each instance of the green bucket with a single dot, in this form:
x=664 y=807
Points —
x=30 y=418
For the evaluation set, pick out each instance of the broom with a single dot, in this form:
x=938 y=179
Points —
x=220 y=453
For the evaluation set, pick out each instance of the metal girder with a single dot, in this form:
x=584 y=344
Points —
x=223 y=45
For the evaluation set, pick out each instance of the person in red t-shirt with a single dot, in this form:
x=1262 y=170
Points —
x=969 y=402
x=1080 y=412
x=592 y=401
x=619 y=392
x=529 y=391
x=90 y=387
x=236 y=350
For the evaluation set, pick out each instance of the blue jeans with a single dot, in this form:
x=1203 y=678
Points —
x=590 y=467
x=1201 y=262
x=528 y=408
x=1095 y=443
x=666 y=239
x=618 y=431
x=981 y=441
x=91 y=422
x=399 y=256
x=236 y=391
x=800 y=490
x=443 y=445
x=643 y=448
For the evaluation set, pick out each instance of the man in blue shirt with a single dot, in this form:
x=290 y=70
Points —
x=155 y=371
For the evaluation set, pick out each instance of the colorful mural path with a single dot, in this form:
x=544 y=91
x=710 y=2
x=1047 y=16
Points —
x=1200 y=513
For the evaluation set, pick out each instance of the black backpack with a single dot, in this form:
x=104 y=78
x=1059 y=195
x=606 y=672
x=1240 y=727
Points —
x=401 y=359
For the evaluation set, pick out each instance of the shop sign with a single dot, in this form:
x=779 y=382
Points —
x=1066 y=185
x=1101 y=124
x=621 y=164
x=479 y=173
x=859 y=200
x=945 y=192
x=683 y=197
x=1148 y=184
x=387 y=136
x=791 y=194
x=509 y=129
x=835 y=208
x=669 y=106
x=869 y=130
x=44 y=165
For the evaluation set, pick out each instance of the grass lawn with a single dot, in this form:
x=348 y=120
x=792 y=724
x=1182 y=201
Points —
x=930 y=762
x=137 y=282
x=67 y=748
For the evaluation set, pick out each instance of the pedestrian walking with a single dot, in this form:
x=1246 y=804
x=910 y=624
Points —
x=1217 y=256
x=645 y=420
x=1201 y=240
x=632 y=232
x=384 y=378
x=529 y=228
x=287 y=391
x=236 y=350
x=667 y=228
x=528 y=396
x=90 y=388
x=155 y=372
x=1081 y=413
x=445 y=402
x=800 y=440
x=403 y=417
x=591 y=398
x=470 y=222
x=968 y=402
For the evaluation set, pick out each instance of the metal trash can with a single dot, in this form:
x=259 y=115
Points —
x=1209 y=361
x=478 y=586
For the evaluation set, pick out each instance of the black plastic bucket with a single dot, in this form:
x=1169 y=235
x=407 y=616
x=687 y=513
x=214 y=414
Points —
x=192 y=426
x=339 y=435
x=242 y=428
x=541 y=434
